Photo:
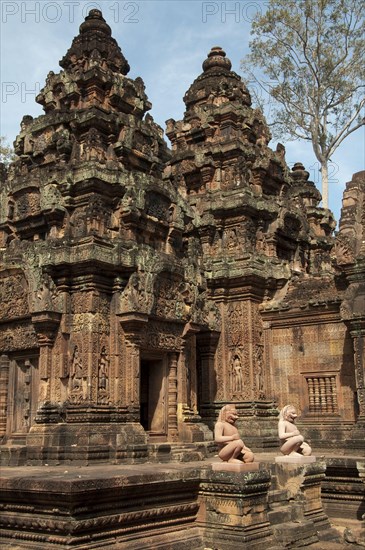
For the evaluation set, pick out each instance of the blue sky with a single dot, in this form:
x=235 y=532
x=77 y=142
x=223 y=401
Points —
x=164 y=41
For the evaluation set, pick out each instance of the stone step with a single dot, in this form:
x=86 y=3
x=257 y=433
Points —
x=278 y=496
x=179 y=452
x=285 y=511
x=295 y=534
x=279 y=515
x=13 y=455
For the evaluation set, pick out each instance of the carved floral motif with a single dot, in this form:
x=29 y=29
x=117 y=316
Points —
x=162 y=336
x=18 y=336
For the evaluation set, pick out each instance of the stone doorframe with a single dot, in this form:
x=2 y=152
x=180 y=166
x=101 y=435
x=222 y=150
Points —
x=134 y=326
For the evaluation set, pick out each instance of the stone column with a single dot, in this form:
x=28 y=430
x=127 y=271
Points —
x=133 y=324
x=207 y=344
x=133 y=375
x=357 y=332
x=350 y=256
x=46 y=324
x=188 y=375
x=352 y=313
x=191 y=427
x=4 y=383
x=172 y=398
x=234 y=509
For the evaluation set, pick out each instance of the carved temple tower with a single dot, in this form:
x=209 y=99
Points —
x=350 y=256
x=260 y=228
x=143 y=288
x=100 y=302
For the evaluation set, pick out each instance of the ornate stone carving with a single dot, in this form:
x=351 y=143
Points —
x=13 y=296
x=163 y=336
x=18 y=336
x=158 y=206
x=138 y=294
x=78 y=378
x=322 y=394
x=235 y=375
x=103 y=377
x=344 y=250
x=234 y=318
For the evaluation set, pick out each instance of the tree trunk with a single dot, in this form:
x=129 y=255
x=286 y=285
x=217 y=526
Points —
x=324 y=173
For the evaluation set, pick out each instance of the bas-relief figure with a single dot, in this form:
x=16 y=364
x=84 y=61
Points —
x=226 y=435
x=292 y=442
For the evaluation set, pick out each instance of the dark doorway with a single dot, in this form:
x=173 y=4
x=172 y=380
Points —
x=153 y=397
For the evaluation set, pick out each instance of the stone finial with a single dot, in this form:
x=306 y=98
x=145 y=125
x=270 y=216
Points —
x=95 y=22
x=95 y=38
x=217 y=60
x=217 y=83
x=299 y=173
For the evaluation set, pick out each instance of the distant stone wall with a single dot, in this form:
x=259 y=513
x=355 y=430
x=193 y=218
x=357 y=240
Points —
x=312 y=367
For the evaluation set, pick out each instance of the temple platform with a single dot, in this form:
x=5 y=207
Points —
x=295 y=459
x=175 y=505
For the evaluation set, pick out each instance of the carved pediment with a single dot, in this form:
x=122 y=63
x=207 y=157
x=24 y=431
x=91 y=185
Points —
x=13 y=295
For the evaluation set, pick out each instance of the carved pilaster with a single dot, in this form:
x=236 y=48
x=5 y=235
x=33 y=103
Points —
x=271 y=242
x=188 y=373
x=133 y=325
x=4 y=382
x=172 y=398
x=357 y=332
x=207 y=344
x=46 y=324
x=132 y=372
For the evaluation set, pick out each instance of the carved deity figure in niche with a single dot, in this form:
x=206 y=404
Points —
x=259 y=374
x=217 y=243
x=231 y=239
x=130 y=297
x=236 y=374
x=103 y=375
x=260 y=239
x=292 y=442
x=76 y=371
x=45 y=294
x=231 y=446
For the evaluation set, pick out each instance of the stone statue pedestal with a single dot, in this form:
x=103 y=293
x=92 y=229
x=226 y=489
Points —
x=295 y=459
x=235 y=467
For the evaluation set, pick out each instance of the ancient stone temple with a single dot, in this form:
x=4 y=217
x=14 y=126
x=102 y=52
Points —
x=143 y=287
x=103 y=295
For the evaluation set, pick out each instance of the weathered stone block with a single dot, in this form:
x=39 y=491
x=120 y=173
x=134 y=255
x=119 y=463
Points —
x=231 y=467
x=234 y=509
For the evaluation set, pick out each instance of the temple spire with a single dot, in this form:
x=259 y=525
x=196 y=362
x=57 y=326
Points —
x=216 y=80
x=217 y=59
x=95 y=43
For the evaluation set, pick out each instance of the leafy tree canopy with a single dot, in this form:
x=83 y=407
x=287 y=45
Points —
x=7 y=154
x=312 y=53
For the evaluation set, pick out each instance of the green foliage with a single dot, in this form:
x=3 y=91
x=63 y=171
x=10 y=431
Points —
x=7 y=154
x=312 y=52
